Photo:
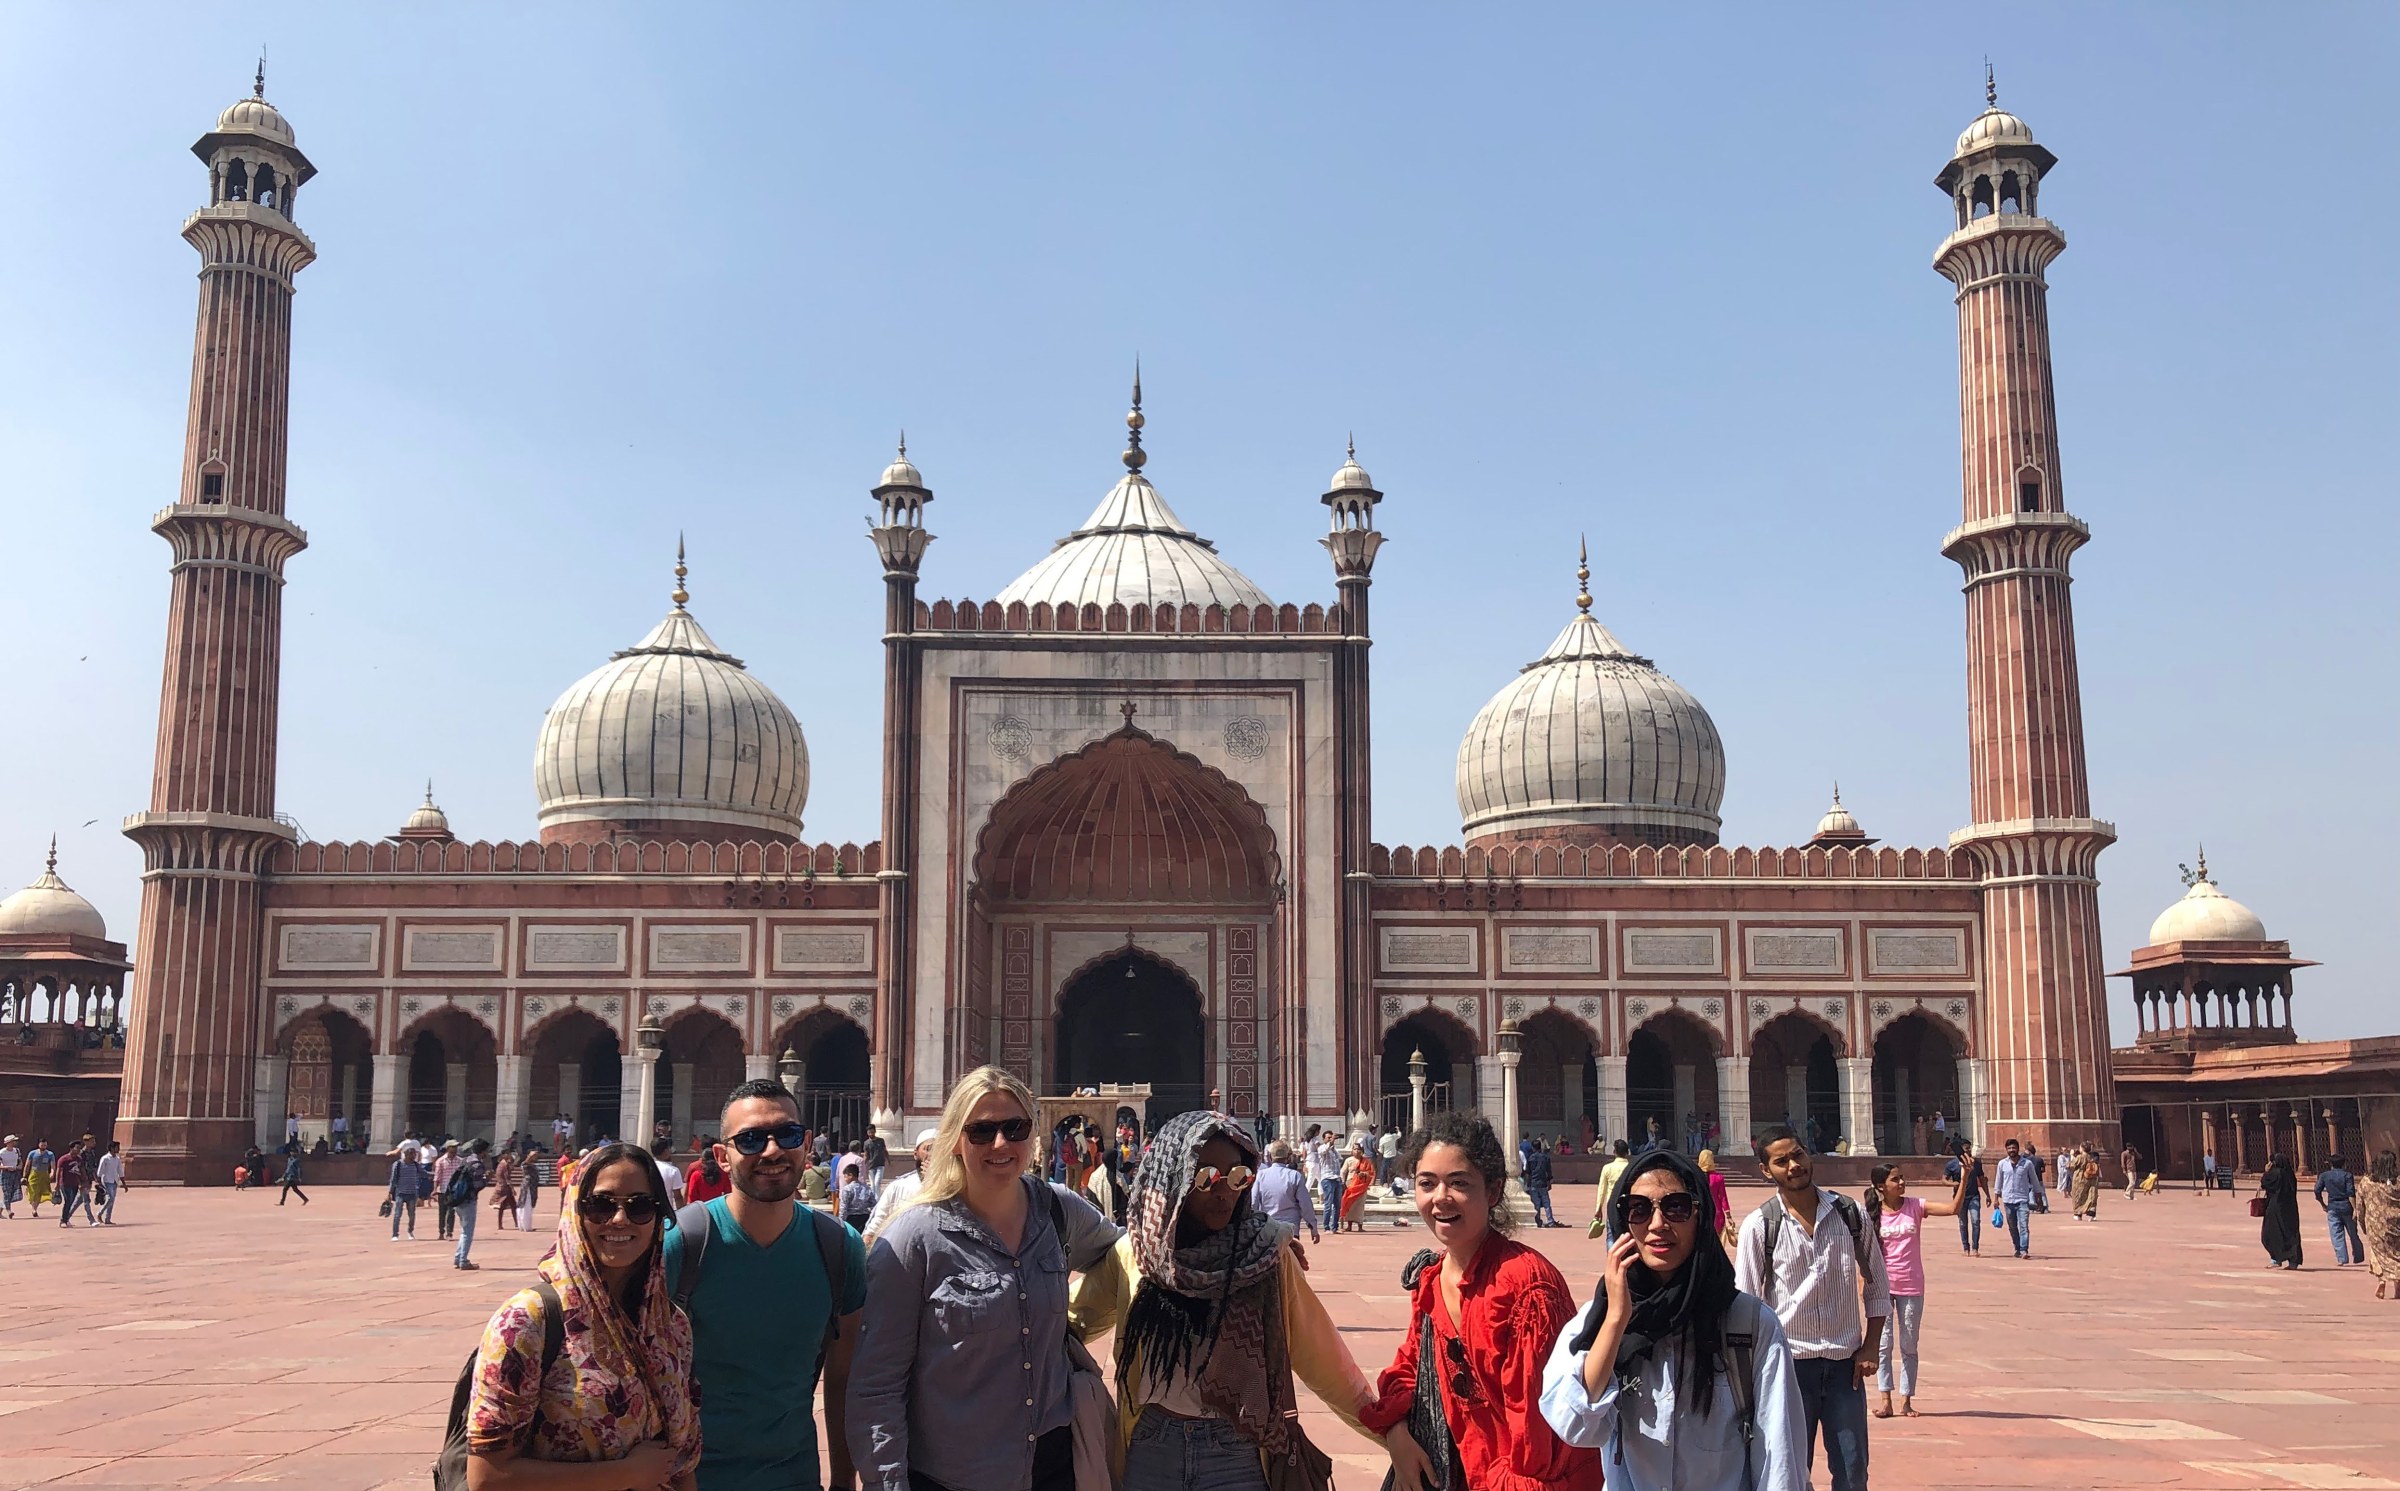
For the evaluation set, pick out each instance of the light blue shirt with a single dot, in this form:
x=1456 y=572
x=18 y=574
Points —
x=1280 y=1193
x=1650 y=1443
x=2019 y=1180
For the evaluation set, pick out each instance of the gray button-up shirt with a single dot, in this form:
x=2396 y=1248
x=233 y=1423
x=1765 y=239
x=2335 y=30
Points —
x=962 y=1362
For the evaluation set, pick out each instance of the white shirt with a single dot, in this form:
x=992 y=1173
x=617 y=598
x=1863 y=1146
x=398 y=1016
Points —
x=672 y=1176
x=1391 y=1144
x=1813 y=1279
x=1654 y=1444
x=11 y=1159
x=110 y=1170
x=896 y=1195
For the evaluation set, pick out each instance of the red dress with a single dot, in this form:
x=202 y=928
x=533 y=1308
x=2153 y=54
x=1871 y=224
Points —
x=697 y=1187
x=1516 y=1306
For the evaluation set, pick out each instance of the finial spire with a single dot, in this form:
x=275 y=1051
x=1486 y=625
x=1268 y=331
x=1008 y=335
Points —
x=2204 y=862
x=1837 y=794
x=1583 y=575
x=52 y=867
x=429 y=792
x=681 y=595
x=1351 y=446
x=258 y=81
x=904 y=445
x=1991 y=89
x=1135 y=457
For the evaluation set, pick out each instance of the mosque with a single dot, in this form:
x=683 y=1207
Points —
x=1125 y=836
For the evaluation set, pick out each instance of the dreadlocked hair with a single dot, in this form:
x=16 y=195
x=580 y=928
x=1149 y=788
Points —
x=1172 y=1331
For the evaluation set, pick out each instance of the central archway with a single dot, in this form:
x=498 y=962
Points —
x=1132 y=1018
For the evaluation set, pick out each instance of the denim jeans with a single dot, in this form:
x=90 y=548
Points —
x=1541 y=1205
x=2020 y=1227
x=1970 y=1227
x=12 y=1185
x=404 y=1206
x=1833 y=1399
x=107 y=1190
x=1177 y=1454
x=73 y=1198
x=2342 y=1221
x=1908 y=1312
x=466 y=1230
x=1331 y=1189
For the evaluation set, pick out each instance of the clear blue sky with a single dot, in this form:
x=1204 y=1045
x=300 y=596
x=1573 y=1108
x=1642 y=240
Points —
x=1655 y=274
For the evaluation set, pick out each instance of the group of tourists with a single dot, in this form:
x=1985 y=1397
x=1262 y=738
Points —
x=2362 y=1215
x=85 y=1178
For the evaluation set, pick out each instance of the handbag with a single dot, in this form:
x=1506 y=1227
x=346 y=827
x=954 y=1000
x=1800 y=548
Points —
x=2258 y=1206
x=1428 y=1424
x=385 y=1210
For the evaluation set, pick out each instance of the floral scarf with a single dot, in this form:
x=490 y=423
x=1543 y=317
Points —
x=656 y=1347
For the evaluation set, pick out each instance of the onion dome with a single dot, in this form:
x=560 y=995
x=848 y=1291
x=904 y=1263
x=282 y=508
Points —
x=1351 y=478
x=1993 y=129
x=427 y=822
x=902 y=472
x=671 y=738
x=255 y=116
x=47 y=908
x=1592 y=736
x=2206 y=914
x=1838 y=826
x=1134 y=550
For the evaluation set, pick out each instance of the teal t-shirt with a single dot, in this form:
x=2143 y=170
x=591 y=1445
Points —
x=758 y=1319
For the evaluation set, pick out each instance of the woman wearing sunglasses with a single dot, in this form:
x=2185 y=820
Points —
x=1486 y=1310
x=1684 y=1379
x=1221 y=1322
x=961 y=1381
x=617 y=1403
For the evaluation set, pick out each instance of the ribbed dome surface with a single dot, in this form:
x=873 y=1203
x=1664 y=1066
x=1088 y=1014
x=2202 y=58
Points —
x=47 y=908
x=1133 y=549
x=1992 y=128
x=255 y=116
x=2207 y=914
x=1592 y=735
x=672 y=729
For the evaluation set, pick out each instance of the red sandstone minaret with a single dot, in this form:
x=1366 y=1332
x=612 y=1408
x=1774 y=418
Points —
x=186 y=1106
x=2045 y=1026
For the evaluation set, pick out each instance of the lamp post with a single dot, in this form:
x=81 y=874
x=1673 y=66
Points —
x=1512 y=1051
x=649 y=1038
x=1416 y=1088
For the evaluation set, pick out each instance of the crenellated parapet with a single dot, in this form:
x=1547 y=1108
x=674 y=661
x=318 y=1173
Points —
x=622 y=857
x=1669 y=862
x=1116 y=617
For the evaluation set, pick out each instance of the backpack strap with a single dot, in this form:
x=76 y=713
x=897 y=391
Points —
x=833 y=1249
x=1741 y=1374
x=1858 y=1231
x=692 y=1222
x=1771 y=1215
x=554 y=1334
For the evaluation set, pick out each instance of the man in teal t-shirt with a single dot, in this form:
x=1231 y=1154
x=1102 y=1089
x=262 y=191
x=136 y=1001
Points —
x=759 y=1311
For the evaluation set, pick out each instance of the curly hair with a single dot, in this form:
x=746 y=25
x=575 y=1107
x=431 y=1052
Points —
x=1471 y=1134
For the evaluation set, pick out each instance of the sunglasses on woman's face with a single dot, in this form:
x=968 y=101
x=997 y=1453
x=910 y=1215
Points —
x=1462 y=1376
x=983 y=1131
x=788 y=1137
x=598 y=1207
x=1209 y=1177
x=1678 y=1209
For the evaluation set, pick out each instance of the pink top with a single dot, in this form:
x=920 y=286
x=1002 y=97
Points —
x=1903 y=1246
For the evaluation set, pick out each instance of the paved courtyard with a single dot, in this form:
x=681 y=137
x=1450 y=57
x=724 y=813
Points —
x=217 y=1338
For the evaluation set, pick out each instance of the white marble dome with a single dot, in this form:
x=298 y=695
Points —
x=672 y=730
x=1839 y=822
x=1134 y=550
x=257 y=117
x=2206 y=914
x=47 y=908
x=1992 y=129
x=1592 y=735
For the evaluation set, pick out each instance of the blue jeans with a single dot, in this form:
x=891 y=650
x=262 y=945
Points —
x=404 y=1206
x=1176 y=1454
x=2347 y=1244
x=1970 y=1227
x=108 y=1199
x=2020 y=1226
x=1541 y=1205
x=74 y=1198
x=466 y=1230
x=1833 y=1399
x=1330 y=1189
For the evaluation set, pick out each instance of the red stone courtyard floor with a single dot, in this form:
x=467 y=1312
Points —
x=216 y=1338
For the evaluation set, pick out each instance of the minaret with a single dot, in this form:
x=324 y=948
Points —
x=185 y=1112
x=900 y=540
x=1352 y=540
x=2044 y=1032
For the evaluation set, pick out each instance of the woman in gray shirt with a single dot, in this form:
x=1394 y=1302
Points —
x=960 y=1382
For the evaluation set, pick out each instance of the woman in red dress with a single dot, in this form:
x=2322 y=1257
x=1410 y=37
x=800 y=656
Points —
x=1496 y=1308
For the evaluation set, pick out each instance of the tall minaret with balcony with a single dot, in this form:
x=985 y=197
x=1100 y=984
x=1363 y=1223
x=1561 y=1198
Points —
x=186 y=1108
x=900 y=539
x=1353 y=541
x=2044 y=1031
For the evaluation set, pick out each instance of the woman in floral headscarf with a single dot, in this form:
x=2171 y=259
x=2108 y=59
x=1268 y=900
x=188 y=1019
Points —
x=620 y=1390
x=1221 y=1322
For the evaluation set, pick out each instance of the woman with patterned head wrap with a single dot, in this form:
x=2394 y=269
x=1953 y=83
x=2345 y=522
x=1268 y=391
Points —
x=1221 y=1322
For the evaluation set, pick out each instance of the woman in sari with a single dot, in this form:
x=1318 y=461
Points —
x=2379 y=1221
x=1358 y=1174
x=2087 y=1184
x=620 y=1391
x=507 y=1175
x=2279 y=1233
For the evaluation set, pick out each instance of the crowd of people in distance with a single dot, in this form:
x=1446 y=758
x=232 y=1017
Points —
x=86 y=1178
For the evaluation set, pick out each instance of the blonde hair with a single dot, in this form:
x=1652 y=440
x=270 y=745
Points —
x=1707 y=1161
x=946 y=1175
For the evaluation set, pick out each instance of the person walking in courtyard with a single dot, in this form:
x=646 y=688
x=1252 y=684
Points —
x=73 y=1177
x=1485 y=1311
x=1965 y=1164
x=1683 y=1381
x=108 y=1177
x=2379 y=1221
x=1899 y=1221
x=12 y=1175
x=621 y=1389
x=855 y=1202
x=292 y=1178
x=1620 y=1156
x=1280 y=1194
x=466 y=1183
x=529 y=1164
x=774 y=1290
x=2083 y=1171
x=2130 y=1160
x=902 y=1190
x=445 y=1165
x=1325 y=1176
x=1221 y=1321
x=406 y=1188
x=1808 y=1255
x=2279 y=1231
x=38 y=1162
x=505 y=1180
x=1358 y=1174
x=2017 y=1185
x=1387 y=1154
x=1535 y=1165
x=2337 y=1197
x=1718 y=1199
x=936 y=1355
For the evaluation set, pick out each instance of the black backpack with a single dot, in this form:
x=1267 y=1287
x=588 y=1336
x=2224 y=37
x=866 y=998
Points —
x=832 y=1248
x=1843 y=1207
x=450 y=1467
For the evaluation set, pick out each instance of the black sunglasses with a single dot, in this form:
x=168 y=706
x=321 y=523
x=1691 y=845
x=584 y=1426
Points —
x=1677 y=1209
x=984 y=1130
x=787 y=1136
x=636 y=1209
x=1462 y=1376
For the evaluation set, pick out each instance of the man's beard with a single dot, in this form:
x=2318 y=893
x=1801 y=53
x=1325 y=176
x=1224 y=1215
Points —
x=767 y=1188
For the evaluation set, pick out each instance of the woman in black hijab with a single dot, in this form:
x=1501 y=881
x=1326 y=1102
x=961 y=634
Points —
x=2280 y=1232
x=1685 y=1379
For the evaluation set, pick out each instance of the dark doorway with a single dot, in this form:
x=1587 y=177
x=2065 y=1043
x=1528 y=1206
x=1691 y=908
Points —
x=1793 y=1080
x=1449 y=1069
x=1916 y=1078
x=1134 y=1019
x=1670 y=1076
x=833 y=1081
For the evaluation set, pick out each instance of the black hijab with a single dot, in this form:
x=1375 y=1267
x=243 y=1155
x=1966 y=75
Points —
x=1684 y=1311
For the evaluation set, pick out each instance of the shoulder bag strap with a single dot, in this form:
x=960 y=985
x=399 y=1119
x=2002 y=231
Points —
x=833 y=1249
x=1741 y=1373
x=692 y=1221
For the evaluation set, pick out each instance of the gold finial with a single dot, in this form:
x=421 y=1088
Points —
x=1583 y=575
x=681 y=595
x=52 y=867
x=2204 y=862
x=1135 y=457
x=258 y=81
x=1991 y=89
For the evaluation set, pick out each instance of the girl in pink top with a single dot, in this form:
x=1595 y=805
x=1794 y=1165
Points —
x=1899 y=1219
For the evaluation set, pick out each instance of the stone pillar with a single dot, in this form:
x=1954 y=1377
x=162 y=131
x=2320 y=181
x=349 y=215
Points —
x=758 y=1067
x=267 y=1100
x=1858 y=1102
x=454 y=1098
x=679 y=1098
x=1733 y=1106
x=1520 y=1204
x=383 y=1104
x=1795 y=1096
x=349 y=1102
x=1687 y=1102
x=637 y=1104
x=508 y=1106
x=570 y=1098
x=1416 y=1095
x=1970 y=1099
x=2241 y=1141
x=1613 y=1124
